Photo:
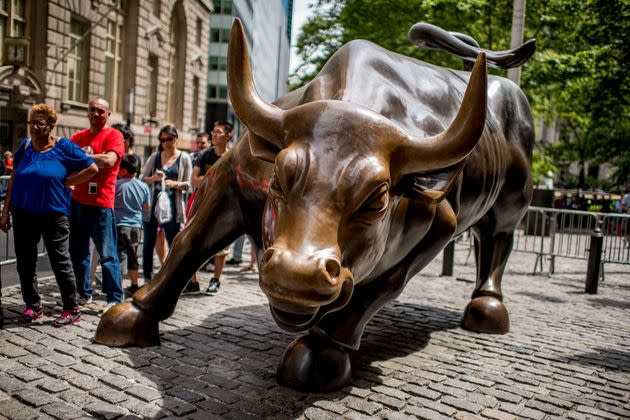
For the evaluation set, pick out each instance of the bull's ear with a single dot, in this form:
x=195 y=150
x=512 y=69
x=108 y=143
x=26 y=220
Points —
x=261 y=148
x=432 y=186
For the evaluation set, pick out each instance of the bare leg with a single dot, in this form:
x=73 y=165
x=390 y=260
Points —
x=133 y=276
x=219 y=263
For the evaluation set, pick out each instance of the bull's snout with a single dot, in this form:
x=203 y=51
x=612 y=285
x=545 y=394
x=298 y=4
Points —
x=295 y=279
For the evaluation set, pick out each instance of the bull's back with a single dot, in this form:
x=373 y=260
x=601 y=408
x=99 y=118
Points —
x=423 y=99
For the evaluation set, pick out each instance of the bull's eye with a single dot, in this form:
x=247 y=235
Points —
x=376 y=203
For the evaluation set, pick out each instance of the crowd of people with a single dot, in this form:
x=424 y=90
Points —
x=88 y=194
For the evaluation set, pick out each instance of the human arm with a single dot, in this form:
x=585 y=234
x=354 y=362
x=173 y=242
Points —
x=148 y=176
x=183 y=181
x=4 y=216
x=81 y=176
x=196 y=177
x=105 y=160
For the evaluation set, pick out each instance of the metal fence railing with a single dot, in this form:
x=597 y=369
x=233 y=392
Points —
x=554 y=233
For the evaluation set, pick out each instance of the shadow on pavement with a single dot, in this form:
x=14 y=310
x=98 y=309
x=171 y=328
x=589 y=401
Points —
x=225 y=365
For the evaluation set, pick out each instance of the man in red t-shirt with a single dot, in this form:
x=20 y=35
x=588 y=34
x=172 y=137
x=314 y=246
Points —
x=92 y=212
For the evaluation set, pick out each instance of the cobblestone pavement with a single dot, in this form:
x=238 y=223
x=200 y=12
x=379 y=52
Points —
x=567 y=355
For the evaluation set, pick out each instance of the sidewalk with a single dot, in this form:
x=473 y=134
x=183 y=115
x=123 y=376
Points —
x=567 y=355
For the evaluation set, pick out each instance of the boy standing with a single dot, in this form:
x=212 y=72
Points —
x=132 y=198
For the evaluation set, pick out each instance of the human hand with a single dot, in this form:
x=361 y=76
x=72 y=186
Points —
x=5 y=224
x=171 y=184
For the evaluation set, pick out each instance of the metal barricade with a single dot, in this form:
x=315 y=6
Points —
x=616 y=229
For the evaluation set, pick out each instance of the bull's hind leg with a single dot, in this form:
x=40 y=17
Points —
x=486 y=312
x=214 y=224
x=320 y=361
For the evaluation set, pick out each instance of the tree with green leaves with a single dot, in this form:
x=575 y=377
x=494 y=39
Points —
x=577 y=76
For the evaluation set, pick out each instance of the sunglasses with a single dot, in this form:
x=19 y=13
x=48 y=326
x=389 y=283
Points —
x=167 y=139
x=38 y=123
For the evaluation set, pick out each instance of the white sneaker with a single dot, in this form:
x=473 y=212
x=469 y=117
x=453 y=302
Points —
x=109 y=306
x=85 y=300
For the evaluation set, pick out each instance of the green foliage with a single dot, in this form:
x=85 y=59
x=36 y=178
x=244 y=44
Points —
x=542 y=165
x=578 y=74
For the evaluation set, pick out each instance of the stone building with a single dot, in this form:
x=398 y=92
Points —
x=148 y=58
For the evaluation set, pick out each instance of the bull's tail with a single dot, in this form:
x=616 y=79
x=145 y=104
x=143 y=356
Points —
x=463 y=46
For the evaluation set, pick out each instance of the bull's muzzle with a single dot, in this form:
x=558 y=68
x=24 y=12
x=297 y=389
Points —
x=303 y=288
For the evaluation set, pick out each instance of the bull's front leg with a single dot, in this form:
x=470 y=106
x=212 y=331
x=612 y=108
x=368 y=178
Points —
x=215 y=222
x=320 y=360
x=486 y=312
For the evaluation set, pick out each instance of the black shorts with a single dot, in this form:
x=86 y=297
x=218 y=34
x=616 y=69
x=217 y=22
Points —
x=128 y=241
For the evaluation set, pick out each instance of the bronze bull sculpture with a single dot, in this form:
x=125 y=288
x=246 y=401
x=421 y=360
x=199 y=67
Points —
x=348 y=187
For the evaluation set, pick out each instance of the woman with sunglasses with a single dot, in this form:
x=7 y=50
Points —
x=46 y=168
x=175 y=167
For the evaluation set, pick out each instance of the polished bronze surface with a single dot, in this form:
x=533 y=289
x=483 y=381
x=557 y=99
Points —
x=347 y=188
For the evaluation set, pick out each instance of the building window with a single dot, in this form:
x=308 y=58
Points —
x=153 y=84
x=218 y=63
x=157 y=5
x=222 y=7
x=195 y=101
x=13 y=22
x=199 y=31
x=219 y=35
x=113 y=63
x=77 y=61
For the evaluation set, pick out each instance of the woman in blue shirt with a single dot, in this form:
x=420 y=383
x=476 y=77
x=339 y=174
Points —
x=46 y=167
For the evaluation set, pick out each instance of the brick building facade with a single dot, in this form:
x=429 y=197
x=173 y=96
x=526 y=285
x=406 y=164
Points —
x=148 y=58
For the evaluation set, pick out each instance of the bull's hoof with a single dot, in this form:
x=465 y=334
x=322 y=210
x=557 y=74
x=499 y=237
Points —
x=313 y=363
x=126 y=325
x=486 y=314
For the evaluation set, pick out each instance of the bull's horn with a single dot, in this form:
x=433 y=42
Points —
x=260 y=117
x=458 y=140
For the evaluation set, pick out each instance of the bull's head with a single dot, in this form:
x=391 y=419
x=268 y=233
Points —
x=334 y=189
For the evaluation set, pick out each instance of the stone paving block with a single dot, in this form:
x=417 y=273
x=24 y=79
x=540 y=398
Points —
x=61 y=410
x=392 y=392
x=463 y=415
x=103 y=410
x=387 y=401
x=61 y=359
x=219 y=381
x=425 y=413
x=333 y=406
x=108 y=394
x=10 y=385
x=395 y=415
x=14 y=409
x=12 y=351
x=185 y=394
x=176 y=406
x=26 y=374
x=421 y=391
x=360 y=405
x=592 y=411
x=314 y=413
x=432 y=405
x=544 y=407
x=53 y=386
x=33 y=397
x=143 y=392
x=462 y=404
x=490 y=413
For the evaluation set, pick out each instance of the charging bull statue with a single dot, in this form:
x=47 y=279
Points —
x=347 y=188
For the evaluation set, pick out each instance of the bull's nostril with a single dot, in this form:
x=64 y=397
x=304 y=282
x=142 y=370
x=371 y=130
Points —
x=267 y=256
x=332 y=267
